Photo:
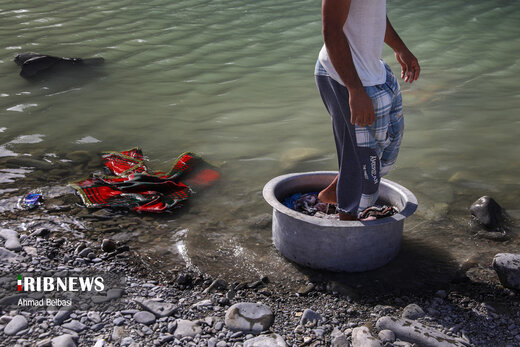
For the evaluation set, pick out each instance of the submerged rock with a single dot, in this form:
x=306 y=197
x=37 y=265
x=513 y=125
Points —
x=249 y=317
x=488 y=212
x=507 y=267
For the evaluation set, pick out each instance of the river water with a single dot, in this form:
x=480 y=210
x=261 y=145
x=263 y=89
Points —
x=233 y=81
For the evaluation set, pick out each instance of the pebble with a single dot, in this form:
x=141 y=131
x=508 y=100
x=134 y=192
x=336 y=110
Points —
x=119 y=321
x=16 y=324
x=187 y=328
x=127 y=341
x=310 y=317
x=249 y=317
x=271 y=340
x=12 y=242
x=159 y=309
x=94 y=316
x=144 y=317
x=75 y=325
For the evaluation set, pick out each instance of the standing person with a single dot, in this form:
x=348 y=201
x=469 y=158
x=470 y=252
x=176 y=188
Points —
x=363 y=98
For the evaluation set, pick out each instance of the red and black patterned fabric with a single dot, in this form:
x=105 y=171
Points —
x=133 y=186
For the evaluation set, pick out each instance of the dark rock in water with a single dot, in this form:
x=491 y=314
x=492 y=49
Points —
x=108 y=245
x=488 y=212
x=34 y=63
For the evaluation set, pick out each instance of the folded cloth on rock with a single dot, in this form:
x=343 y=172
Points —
x=131 y=185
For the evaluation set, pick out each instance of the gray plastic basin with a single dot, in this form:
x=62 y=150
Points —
x=334 y=245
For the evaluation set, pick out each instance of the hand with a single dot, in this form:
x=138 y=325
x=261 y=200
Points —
x=410 y=68
x=361 y=108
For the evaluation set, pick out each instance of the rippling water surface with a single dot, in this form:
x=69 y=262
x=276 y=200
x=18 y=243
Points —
x=233 y=80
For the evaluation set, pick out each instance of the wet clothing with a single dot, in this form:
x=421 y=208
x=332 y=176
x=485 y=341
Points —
x=365 y=30
x=364 y=153
x=131 y=185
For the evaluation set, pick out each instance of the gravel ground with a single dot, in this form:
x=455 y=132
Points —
x=186 y=308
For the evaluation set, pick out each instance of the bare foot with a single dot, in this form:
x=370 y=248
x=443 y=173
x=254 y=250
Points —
x=346 y=216
x=328 y=195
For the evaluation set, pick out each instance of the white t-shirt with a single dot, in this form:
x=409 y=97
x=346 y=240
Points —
x=365 y=30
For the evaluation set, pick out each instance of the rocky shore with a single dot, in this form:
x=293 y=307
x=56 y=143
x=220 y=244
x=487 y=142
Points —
x=186 y=308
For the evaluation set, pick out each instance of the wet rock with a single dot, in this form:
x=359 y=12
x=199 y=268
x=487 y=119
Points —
x=487 y=212
x=249 y=317
x=413 y=312
x=507 y=267
x=108 y=245
x=16 y=324
x=415 y=332
x=187 y=328
x=271 y=340
x=159 y=309
x=12 y=242
x=144 y=317
x=66 y=340
x=310 y=317
x=361 y=337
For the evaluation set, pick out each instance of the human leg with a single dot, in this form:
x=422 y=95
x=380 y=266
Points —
x=349 y=181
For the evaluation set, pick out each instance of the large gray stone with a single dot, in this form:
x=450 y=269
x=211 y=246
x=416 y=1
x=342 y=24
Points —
x=187 y=328
x=413 y=311
x=249 y=317
x=507 y=267
x=361 y=337
x=16 y=324
x=413 y=331
x=271 y=340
